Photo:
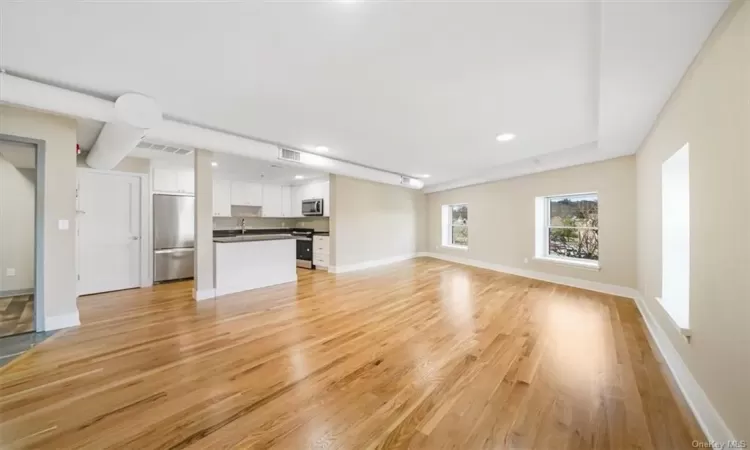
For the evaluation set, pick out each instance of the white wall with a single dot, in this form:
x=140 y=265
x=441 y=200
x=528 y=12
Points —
x=17 y=210
x=59 y=134
x=710 y=110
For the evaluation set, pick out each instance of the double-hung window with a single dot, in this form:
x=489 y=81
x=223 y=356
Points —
x=455 y=222
x=568 y=228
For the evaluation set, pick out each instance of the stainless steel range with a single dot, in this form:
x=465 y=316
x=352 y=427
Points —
x=304 y=246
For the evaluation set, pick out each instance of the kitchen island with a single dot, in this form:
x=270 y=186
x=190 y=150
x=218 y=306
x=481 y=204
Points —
x=246 y=262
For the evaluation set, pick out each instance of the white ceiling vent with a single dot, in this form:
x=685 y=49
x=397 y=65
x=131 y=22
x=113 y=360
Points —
x=289 y=155
x=164 y=148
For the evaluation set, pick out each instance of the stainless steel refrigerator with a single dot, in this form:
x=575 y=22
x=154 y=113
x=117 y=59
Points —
x=174 y=237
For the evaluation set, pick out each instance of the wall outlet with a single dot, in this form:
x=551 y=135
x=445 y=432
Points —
x=10 y=272
x=526 y=260
x=63 y=224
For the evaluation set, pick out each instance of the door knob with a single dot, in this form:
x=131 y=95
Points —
x=134 y=238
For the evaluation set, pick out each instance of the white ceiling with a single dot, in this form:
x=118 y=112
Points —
x=231 y=167
x=407 y=86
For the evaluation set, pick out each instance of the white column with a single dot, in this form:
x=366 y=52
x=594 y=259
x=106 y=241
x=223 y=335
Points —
x=204 y=227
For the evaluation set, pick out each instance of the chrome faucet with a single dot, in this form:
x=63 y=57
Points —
x=242 y=225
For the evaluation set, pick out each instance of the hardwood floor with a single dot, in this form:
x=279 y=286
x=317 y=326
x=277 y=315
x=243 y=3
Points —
x=422 y=354
x=16 y=314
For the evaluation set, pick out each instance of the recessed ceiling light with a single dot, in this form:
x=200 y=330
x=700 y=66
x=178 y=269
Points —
x=423 y=175
x=505 y=137
x=214 y=163
x=321 y=149
x=299 y=177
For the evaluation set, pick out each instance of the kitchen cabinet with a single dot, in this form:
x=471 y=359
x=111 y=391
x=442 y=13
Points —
x=318 y=189
x=321 y=251
x=186 y=181
x=286 y=201
x=222 y=204
x=246 y=194
x=296 y=201
x=272 y=201
x=173 y=181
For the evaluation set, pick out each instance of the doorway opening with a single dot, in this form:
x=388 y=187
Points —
x=18 y=225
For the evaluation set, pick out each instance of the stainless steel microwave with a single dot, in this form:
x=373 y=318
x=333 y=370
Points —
x=312 y=207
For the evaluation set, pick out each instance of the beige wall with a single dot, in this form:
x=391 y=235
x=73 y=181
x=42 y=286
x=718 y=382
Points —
x=59 y=134
x=373 y=221
x=710 y=110
x=502 y=219
x=204 y=230
x=17 y=210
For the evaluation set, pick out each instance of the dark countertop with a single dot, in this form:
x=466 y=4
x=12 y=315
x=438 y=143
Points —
x=252 y=231
x=320 y=233
x=252 y=238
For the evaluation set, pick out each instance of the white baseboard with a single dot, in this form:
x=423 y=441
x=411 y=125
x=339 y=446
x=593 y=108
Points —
x=63 y=321
x=708 y=418
x=370 y=264
x=205 y=294
x=611 y=289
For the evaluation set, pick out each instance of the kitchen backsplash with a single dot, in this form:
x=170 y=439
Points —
x=232 y=223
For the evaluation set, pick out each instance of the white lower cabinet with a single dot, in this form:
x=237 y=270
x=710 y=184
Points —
x=321 y=251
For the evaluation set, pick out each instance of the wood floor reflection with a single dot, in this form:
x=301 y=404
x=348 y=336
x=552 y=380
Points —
x=421 y=354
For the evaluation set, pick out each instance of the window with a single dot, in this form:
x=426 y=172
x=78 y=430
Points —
x=568 y=228
x=456 y=226
x=675 y=237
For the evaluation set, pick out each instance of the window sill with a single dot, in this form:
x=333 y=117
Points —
x=684 y=332
x=568 y=262
x=455 y=247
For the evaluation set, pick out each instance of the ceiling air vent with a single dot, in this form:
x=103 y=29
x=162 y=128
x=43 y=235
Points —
x=405 y=181
x=289 y=155
x=164 y=148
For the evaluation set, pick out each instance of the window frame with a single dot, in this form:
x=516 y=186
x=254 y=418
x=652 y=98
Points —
x=544 y=227
x=448 y=226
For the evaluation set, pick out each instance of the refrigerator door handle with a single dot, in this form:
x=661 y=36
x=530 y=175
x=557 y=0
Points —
x=174 y=250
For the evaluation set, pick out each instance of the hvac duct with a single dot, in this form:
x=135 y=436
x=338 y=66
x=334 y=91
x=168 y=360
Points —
x=135 y=114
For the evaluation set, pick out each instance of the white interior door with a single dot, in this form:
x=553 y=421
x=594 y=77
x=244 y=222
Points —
x=109 y=232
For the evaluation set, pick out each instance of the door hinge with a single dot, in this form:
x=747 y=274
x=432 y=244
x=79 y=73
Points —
x=79 y=278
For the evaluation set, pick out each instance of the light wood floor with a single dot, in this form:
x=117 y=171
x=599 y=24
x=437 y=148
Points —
x=16 y=315
x=421 y=354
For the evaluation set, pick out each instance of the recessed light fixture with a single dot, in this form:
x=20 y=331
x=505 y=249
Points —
x=423 y=175
x=299 y=177
x=505 y=137
x=214 y=163
x=321 y=149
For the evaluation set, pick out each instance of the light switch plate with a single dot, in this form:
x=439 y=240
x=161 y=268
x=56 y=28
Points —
x=10 y=272
x=63 y=224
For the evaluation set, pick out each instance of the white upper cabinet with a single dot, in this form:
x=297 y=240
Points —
x=272 y=201
x=326 y=198
x=222 y=199
x=174 y=181
x=186 y=181
x=286 y=201
x=296 y=207
x=317 y=189
x=246 y=194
